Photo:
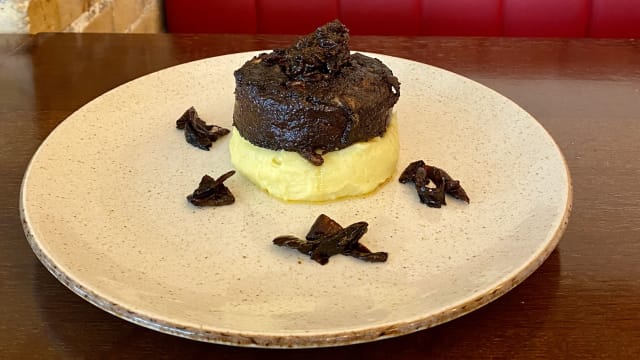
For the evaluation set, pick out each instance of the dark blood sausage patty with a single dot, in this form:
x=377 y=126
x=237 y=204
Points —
x=314 y=97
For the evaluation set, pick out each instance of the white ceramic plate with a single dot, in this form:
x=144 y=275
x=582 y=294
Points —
x=104 y=209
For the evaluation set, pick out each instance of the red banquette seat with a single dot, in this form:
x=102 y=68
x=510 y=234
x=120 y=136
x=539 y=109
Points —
x=530 y=18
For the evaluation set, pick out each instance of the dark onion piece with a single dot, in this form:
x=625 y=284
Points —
x=316 y=56
x=341 y=242
x=197 y=132
x=212 y=192
x=432 y=197
x=369 y=256
x=453 y=188
x=312 y=156
x=409 y=174
x=327 y=238
x=293 y=242
x=323 y=226
x=422 y=174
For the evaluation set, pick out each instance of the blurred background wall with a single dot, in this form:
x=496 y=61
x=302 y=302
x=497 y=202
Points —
x=124 y=16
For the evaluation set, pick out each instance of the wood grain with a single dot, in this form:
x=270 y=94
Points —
x=582 y=303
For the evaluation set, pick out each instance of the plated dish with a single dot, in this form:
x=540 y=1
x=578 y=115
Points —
x=104 y=209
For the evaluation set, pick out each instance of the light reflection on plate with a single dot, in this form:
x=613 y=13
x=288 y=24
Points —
x=104 y=209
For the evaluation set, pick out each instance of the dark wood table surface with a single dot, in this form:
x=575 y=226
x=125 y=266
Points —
x=583 y=302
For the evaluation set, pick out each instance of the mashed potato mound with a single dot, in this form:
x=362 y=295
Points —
x=355 y=170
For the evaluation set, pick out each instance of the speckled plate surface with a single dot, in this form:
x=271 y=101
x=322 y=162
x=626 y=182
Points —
x=104 y=209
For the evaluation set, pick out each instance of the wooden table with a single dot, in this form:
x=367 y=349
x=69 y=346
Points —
x=583 y=302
